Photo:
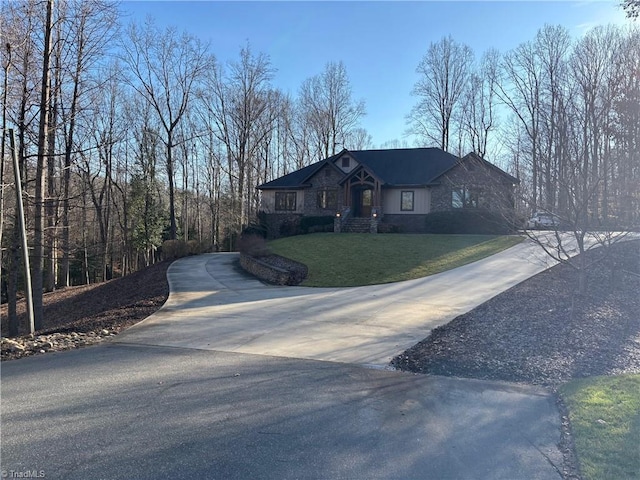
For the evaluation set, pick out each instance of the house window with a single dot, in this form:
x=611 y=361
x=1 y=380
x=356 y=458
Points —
x=406 y=201
x=467 y=197
x=457 y=197
x=285 y=201
x=327 y=198
x=345 y=162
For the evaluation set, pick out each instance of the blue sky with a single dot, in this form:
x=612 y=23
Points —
x=380 y=43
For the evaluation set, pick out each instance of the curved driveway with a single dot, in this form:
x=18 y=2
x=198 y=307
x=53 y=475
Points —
x=215 y=306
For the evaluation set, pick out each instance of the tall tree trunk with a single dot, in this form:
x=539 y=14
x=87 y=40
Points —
x=38 y=245
x=173 y=231
x=3 y=143
x=50 y=202
x=85 y=253
x=66 y=177
x=63 y=272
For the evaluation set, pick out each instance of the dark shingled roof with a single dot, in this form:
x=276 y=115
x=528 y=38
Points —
x=294 y=179
x=406 y=166
x=401 y=167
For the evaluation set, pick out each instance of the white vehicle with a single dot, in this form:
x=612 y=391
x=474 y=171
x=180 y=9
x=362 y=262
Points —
x=543 y=220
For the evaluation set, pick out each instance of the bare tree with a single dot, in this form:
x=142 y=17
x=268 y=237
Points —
x=3 y=140
x=239 y=105
x=301 y=134
x=625 y=154
x=358 y=139
x=395 y=143
x=90 y=27
x=552 y=47
x=21 y=22
x=43 y=132
x=146 y=209
x=631 y=7
x=97 y=171
x=520 y=89
x=328 y=109
x=443 y=77
x=165 y=69
x=582 y=137
x=479 y=105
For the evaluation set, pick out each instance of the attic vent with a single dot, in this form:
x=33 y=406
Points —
x=345 y=162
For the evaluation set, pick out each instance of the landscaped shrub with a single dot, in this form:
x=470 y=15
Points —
x=253 y=245
x=290 y=227
x=255 y=229
x=307 y=224
x=194 y=247
x=172 y=249
x=468 y=221
x=388 y=228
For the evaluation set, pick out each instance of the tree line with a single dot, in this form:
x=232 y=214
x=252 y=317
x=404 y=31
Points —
x=568 y=125
x=130 y=135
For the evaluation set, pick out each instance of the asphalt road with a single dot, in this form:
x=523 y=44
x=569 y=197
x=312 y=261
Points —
x=137 y=412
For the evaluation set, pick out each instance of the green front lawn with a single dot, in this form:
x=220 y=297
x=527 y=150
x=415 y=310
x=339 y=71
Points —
x=342 y=260
x=605 y=419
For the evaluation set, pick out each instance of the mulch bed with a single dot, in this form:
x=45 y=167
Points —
x=83 y=315
x=542 y=331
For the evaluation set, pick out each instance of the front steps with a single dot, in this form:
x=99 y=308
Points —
x=356 y=225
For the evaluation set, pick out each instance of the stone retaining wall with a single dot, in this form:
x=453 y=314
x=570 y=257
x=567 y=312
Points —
x=272 y=273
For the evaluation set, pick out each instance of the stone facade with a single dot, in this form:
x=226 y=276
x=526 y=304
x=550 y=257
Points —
x=497 y=190
x=326 y=178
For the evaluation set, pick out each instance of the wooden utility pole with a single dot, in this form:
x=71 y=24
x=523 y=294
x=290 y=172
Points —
x=23 y=231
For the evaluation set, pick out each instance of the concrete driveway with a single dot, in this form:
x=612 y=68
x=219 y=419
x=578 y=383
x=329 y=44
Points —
x=215 y=306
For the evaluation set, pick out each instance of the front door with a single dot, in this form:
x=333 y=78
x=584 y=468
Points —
x=362 y=202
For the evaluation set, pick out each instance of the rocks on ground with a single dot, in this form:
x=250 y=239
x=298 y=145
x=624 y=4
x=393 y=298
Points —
x=25 y=346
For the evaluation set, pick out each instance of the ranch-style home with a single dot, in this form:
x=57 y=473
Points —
x=363 y=188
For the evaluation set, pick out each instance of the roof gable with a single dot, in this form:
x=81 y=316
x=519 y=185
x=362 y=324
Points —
x=406 y=166
x=473 y=157
x=362 y=169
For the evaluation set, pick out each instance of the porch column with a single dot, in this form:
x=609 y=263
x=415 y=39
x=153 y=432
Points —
x=377 y=197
